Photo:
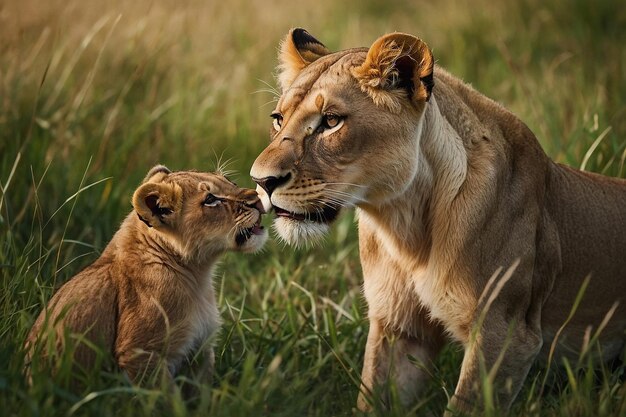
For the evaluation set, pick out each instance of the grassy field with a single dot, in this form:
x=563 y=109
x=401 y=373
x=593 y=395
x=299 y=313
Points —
x=92 y=94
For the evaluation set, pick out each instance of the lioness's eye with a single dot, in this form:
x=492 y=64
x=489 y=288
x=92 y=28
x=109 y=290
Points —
x=278 y=120
x=330 y=120
x=211 y=201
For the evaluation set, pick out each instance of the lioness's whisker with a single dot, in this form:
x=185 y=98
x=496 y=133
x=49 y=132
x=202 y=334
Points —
x=344 y=183
x=345 y=198
x=270 y=88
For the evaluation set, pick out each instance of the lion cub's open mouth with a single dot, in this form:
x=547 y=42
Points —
x=326 y=215
x=246 y=233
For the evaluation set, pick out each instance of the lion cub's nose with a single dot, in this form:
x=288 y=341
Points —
x=269 y=184
x=259 y=206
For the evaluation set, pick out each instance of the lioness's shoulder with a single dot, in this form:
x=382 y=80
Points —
x=476 y=116
x=452 y=91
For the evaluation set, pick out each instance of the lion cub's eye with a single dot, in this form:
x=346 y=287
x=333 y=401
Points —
x=211 y=201
x=278 y=120
x=330 y=120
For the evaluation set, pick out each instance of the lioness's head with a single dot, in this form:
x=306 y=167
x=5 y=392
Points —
x=345 y=131
x=198 y=213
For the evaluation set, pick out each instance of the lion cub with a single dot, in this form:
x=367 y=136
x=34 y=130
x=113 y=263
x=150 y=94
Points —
x=149 y=299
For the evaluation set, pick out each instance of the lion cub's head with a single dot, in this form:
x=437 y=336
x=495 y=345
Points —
x=199 y=214
x=346 y=129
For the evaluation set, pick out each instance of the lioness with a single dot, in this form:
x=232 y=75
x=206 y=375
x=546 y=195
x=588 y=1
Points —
x=464 y=222
x=149 y=299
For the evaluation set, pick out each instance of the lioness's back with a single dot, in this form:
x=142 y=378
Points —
x=589 y=211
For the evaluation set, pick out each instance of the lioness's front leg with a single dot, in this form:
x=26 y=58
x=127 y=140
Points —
x=401 y=332
x=390 y=359
x=505 y=351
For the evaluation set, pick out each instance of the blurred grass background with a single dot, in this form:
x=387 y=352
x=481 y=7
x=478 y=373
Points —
x=92 y=94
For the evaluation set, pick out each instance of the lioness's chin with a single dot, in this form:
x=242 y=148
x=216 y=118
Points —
x=300 y=232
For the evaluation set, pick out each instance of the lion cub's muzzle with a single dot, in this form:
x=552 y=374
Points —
x=252 y=229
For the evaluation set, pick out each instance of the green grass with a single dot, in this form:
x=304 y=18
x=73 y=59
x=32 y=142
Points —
x=92 y=94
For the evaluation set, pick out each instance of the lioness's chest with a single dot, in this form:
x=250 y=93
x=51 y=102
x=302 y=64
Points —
x=447 y=304
x=400 y=291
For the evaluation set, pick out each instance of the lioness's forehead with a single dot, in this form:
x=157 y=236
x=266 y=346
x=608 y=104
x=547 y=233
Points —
x=324 y=73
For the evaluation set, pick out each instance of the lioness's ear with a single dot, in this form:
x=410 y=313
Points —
x=156 y=202
x=397 y=62
x=297 y=50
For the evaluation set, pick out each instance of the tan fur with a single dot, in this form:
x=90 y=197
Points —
x=467 y=231
x=294 y=58
x=378 y=76
x=149 y=300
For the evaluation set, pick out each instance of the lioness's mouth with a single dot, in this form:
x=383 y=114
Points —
x=325 y=215
x=246 y=233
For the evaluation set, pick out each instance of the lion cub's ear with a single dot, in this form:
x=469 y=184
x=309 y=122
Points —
x=157 y=202
x=297 y=50
x=161 y=170
x=397 y=62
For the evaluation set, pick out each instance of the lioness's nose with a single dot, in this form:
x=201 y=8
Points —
x=269 y=184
